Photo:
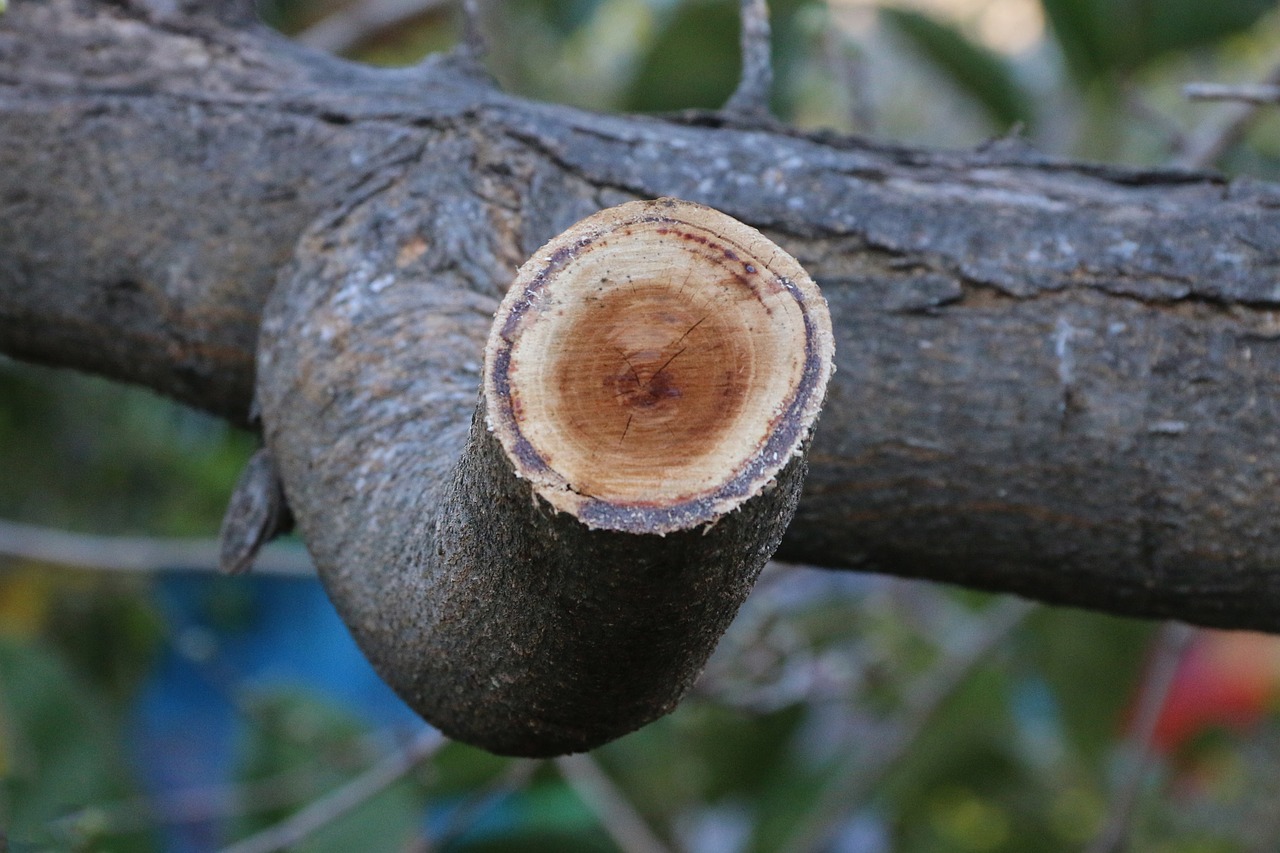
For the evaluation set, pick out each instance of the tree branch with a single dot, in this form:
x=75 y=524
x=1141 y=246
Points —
x=649 y=385
x=473 y=43
x=136 y=553
x=1054 y=378
x=1170 y=648
x=1249 y=93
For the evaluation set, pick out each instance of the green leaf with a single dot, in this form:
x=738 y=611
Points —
x=459 y=769
x=962 y=785
x=978 y=72
x=58 y=751
x=693 y=62
x=84 y=452
x=565 y=16
x=1078 y=26
x=107 y=632
x=1092 y=664
x=1180 y=24
x=1103 y=37
x=696 y=60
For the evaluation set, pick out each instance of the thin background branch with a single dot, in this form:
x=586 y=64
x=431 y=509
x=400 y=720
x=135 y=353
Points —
x=848 y=66
x=137 y=553
x=862 y=772
x=1250 y=93
x=616 y=813
x=1215 y=138
x=198 y=804
x=473 y=45
x=325 y=810
x=1170 y=649
x=514 y=778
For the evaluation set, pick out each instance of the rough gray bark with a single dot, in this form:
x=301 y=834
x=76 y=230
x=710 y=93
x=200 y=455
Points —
x=1054 y=379
x=503 y=622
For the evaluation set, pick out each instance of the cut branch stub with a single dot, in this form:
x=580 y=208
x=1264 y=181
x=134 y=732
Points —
x=655 y=366
x=651 y=384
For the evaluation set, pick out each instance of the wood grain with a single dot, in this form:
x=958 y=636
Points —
x=656 y=365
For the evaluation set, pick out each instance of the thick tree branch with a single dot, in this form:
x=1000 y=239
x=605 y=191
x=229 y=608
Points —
x=1054 y=379
x=516 y=591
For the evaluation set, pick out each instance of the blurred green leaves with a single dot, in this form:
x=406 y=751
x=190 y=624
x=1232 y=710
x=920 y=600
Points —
x=695 y=58
x=103 y=457
x=306 y=746
x=693 y=62
x=1104 y=44
x=1091 y=663
x=1103 y=38
x=979 y=72
x=58 y=753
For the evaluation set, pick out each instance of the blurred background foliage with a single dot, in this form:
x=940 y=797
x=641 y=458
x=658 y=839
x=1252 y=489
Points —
x=176 y=710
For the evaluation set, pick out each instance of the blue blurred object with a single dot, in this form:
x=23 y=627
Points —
x=231 y=638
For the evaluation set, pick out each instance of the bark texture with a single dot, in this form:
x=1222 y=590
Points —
x=1055 y=379
x=505 y=623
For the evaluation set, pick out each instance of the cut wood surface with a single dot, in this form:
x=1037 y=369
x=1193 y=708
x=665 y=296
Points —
x=656 y=365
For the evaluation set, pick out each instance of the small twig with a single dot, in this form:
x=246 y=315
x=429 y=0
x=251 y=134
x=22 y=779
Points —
x=1250 y=93
x=1218 y=137
x=751 y=98
x=861 y=773
x=850 y=72
x=1174 y=134
x=473 y=45
x=515 y=777
x=616 y=814
x=337 y=803
x=763 y=664
x=257 y=513
x=360 y=21
x=137 y=553
x=1170 y=648
x=194 y=805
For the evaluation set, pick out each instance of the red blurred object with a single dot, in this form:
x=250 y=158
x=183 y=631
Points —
x=1226 y=679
